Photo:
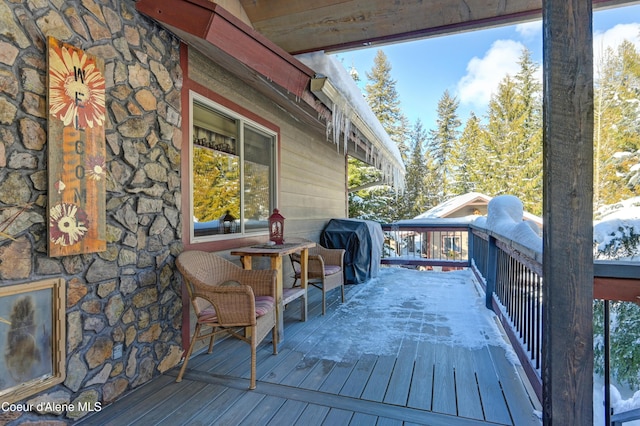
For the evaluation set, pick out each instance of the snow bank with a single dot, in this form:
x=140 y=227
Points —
x=619 y=403
x=616 y=223
x=505 y=217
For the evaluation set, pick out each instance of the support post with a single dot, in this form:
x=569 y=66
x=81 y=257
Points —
x=607 y=363
x=567 y=347
x=492 y=271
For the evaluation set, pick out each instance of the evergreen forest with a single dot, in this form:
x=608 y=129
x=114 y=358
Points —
x=500 y=152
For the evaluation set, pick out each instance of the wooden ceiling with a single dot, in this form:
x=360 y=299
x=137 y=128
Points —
x=299 y=26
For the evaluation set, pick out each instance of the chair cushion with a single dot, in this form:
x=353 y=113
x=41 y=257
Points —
x=328 y=270
x=207 y=315
x=263 y=305
x=331 y=269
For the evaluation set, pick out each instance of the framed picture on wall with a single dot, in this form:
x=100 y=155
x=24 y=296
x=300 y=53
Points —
x=32 y=338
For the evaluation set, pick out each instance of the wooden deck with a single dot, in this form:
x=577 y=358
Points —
x=424 y=383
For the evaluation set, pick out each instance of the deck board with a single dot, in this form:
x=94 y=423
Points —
x=194 y=405
x=139 y=403
x=361 y=419
x=376 y=387
x=514 y=392
x=239 y=409
x=493 y=401
x=467 y=394
x=400 y=380
x=424 y=382
x=263 y=412
x=313 y=415
x=173 y=404
x=318 y=375
x=337 y=377
x=421 y=391
x=384 y=421
x=288 y=414
x=444 y=389
x=210 y=412
x=359 y=376
x=337 y=416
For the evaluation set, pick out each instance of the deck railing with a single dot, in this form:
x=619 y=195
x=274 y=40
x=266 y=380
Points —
x=511 y=275
x=434 y=245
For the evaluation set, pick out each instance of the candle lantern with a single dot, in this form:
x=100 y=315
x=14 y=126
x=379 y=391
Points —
x=276 y=227
x=228 y=223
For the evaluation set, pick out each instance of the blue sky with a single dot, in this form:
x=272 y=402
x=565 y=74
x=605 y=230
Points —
x=470 y=65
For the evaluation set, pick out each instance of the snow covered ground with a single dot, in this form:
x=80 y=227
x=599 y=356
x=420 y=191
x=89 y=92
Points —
x=453 y=312
x=615 y=223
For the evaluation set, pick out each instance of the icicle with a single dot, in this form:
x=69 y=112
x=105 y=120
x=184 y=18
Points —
x=347 y=131
x=337 y=124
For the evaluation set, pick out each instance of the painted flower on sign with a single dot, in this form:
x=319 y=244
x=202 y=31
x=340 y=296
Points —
x=77 y=88
x=68 y=224
x=95 y=167
x=60 y=186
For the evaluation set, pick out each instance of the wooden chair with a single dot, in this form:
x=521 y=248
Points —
x=227 y=298
x=326 y=270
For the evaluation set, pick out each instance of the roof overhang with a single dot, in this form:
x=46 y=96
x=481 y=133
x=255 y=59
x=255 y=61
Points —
x=367 y=145
x=234 y=45
x=244 y=52
x=334 y=25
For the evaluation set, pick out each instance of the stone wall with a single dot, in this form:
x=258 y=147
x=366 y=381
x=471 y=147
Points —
x=128 y=295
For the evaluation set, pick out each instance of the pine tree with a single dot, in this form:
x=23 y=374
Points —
x=617 y=126
x=381 y=203
x=530 y=134
x=414 y=197
x=442 y=141
x=383 y=99
x=468 y=157
x=512 y=142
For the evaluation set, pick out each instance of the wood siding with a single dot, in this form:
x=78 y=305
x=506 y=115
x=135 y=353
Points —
x=312 y=177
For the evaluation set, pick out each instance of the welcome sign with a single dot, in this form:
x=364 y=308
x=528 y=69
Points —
x=76 y=141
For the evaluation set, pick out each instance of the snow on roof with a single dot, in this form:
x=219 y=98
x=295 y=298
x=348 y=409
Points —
x=352 y=106
x=456 y=203
x=505 y=217
x=451 y=205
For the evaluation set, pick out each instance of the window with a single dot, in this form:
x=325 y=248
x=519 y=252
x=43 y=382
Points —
x=451 y=245
x=233 y=173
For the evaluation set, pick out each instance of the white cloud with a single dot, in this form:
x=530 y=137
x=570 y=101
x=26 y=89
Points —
x=613 y=37
x=529 y=30
x=485 y=74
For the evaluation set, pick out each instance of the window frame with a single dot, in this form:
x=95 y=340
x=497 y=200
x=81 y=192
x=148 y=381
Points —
x=453 y=239
x=243 y=120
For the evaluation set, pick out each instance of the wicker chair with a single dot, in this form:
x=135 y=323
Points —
x=227 y=298
x=326 y=270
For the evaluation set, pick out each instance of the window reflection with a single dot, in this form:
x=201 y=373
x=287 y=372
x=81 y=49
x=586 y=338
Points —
x=233 y=174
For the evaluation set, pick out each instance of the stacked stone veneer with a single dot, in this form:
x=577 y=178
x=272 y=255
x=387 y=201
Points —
x=129 y=294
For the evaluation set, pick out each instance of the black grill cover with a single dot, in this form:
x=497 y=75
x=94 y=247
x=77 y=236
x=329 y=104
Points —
x=362 y=241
